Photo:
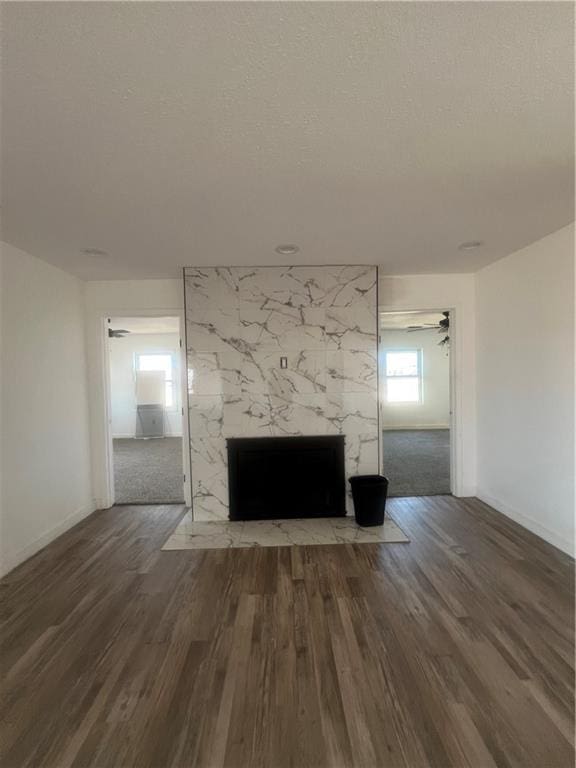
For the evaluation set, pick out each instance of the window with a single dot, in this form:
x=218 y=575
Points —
x=403 y=375
x=159 y=361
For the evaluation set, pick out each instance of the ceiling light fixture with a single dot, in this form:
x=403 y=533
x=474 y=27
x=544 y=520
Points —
x=470 y=245
x=287 y=250
x=94 y=252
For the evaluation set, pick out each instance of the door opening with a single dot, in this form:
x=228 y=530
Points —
x=415 y=402
x=146 y=409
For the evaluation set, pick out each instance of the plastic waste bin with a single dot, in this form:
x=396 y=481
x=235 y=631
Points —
x=369 y=494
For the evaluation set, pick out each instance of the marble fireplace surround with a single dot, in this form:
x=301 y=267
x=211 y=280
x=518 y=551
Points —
x=240 y=322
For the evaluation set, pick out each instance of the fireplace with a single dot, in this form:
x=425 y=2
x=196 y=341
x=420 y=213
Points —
x=284 y=477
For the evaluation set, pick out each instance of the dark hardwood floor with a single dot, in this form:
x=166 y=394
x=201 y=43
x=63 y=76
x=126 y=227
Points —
x=454 y=650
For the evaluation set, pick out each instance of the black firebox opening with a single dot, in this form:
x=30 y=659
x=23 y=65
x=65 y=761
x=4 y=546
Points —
x=286 y=477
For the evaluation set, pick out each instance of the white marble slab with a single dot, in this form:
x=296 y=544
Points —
x=351 y=370
x=214 y=373
x=194 y=534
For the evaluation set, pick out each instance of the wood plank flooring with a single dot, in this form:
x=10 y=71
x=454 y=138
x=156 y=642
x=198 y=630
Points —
x=454 y=650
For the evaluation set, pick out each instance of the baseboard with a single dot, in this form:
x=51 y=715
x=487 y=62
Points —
x=560 y=542
x=35 y=546
x=416 y=426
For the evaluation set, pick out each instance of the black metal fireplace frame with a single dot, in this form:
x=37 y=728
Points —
x=331 y=446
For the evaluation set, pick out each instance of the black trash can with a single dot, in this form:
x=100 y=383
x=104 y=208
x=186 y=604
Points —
x=369 y=495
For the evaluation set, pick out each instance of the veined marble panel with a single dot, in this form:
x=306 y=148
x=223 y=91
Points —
x=351 y=328
x=334 y=286
x=305 y=372
x=209 y=478
x=206 y=416
x=281 y=327
x=209 y=289
x=206 y=534
x=240 y=322
x=351 y=371
x=214 y=373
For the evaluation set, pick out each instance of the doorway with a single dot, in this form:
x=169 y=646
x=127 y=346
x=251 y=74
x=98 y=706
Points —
x=415 y=402
x=146 y=409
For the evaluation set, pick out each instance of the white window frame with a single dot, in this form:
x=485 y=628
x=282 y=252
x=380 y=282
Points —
x=174 y=376
x=418 y=375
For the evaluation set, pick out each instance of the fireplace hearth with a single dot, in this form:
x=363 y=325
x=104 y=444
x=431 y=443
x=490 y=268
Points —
x=286 y=477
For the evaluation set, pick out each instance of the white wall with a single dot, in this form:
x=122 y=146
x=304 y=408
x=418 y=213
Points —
x=454 y=292
x=434 y=409
x=123 y=383
x=117 y=298
x=45 y=452
x=526 y=387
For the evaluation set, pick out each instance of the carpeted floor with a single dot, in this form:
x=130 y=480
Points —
x=148 y=471
x=417 y=462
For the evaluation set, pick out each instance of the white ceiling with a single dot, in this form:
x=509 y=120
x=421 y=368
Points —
x=199 y=133
x=146 y=324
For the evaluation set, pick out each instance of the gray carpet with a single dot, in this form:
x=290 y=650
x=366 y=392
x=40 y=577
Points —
x=148 y=471
x=417 y=462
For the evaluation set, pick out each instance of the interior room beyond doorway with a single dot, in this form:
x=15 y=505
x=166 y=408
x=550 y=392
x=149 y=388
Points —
x=146 y=409
x=415 y=402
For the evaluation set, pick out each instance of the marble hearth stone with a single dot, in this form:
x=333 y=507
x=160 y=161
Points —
x=205 y=536
x=203 y=515
x=194 y=534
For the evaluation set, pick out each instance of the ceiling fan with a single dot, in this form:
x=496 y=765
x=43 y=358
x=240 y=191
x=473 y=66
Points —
x=442 y=326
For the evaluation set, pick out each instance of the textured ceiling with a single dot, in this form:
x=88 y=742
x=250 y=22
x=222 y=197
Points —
x=172 y=134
